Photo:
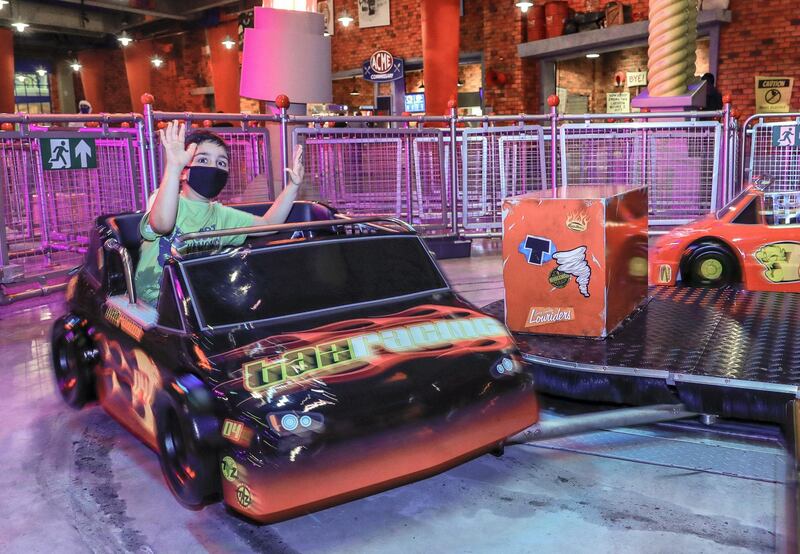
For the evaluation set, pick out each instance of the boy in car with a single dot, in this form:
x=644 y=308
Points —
x=196 y=171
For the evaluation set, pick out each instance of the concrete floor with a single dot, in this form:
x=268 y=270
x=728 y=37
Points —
x=77 y=482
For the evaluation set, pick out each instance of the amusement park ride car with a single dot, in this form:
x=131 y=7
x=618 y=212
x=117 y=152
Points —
x=323 y=363
x=754 y=240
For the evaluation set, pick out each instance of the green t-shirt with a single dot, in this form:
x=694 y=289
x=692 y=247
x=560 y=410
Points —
x=193 y=216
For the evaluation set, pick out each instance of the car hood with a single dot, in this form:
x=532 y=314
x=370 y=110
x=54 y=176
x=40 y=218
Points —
x=371 y=370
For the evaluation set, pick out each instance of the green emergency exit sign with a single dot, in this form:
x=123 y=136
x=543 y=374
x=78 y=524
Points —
x=68 y=153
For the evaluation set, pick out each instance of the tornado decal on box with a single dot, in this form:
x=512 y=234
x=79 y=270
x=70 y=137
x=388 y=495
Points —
x=573 y=262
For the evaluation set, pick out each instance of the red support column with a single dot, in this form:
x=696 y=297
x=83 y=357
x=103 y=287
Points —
x=6 y=71
x=440 y=32
x=137 y=66
x=225 y=70
x=94 y=66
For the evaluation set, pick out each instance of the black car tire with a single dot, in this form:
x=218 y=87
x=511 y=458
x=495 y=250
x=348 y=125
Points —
x=74 y=357
x=709 y=264
x=188 y=435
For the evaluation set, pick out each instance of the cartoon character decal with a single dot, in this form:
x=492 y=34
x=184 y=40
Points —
x=781 y=261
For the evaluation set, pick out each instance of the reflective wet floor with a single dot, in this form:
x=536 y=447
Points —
x=75 y=481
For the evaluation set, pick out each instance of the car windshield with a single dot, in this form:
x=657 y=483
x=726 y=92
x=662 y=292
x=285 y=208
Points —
x=730 y=205
x=255 y=285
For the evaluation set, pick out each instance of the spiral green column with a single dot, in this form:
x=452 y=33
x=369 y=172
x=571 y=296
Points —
x=667 y=52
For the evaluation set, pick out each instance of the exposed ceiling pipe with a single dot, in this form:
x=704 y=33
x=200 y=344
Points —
x=217 y=4
x=127 y=9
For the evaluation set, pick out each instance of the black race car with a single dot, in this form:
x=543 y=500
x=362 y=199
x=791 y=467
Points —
x=325 y=360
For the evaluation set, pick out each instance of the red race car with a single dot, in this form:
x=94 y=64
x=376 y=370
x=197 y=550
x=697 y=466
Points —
x=754 y=240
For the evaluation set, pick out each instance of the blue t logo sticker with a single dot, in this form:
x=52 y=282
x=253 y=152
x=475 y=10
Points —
x=537 y=250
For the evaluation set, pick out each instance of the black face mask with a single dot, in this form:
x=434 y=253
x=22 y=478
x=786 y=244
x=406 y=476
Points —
x=207 y=181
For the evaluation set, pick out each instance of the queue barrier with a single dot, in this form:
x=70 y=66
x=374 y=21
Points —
x=447 y=175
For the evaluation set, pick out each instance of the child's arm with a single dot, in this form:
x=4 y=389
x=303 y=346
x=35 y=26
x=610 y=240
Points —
x=165 y=206
x=283 y=204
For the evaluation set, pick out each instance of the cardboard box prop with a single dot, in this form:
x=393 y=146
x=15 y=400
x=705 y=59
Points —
x=575 y=264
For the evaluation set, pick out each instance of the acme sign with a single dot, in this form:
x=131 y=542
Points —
x=382 y=67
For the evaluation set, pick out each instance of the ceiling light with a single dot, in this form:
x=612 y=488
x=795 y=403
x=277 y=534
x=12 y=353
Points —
x=326 y=34
x=75 y=66
x=421 y=85
x=3 y=3
x=20 y=26
x=592 y=56
x=124 y=39
x=228 y=42
x=41 y=72
x=354 y=92
x=345 y=19
x=156 y=61
x=524 y=6
x=460 y=83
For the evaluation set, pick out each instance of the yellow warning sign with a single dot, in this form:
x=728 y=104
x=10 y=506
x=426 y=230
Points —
x=773 y=94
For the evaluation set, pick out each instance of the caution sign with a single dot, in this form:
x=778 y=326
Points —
x=773 y=94
x=68 y=153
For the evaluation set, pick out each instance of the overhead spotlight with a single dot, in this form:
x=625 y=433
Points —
x=20 y=26
x=326 y=34
x=524 y=6
x=460 y=83
x=124 y=39
x=156 y=61
x=75 y=66
x=345 y=19
x=41 y=72
x=228 y=42
x=3 y=3
x=593 y=55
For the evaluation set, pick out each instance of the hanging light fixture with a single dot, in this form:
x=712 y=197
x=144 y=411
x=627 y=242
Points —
x=354 y=91
x=75 y=65
x=228 y=42
x=345 y=19
x=124 y=39
x=422 y=85
x=156 y=61
x=460 y=82
x=41 y=72
x=326 y=34
x=593 y=56
x=20 y=26
x=524 y=5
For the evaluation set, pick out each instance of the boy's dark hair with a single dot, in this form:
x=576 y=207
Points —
x=200 y=136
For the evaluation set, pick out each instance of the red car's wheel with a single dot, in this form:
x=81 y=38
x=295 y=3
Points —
x=708 y=264
x=74 y=357
x=188 y=435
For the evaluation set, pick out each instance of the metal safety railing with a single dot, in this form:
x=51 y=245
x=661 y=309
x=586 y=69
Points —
x=770 y=147
x=447 y=175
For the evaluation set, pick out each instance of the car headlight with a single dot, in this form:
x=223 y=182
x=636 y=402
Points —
x=295 y=423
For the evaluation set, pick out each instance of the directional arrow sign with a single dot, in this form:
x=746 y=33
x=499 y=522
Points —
x=85 y=153
x=68 y=153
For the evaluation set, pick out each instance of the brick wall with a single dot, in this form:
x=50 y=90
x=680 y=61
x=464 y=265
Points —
x=762 y=39
x=186 y=68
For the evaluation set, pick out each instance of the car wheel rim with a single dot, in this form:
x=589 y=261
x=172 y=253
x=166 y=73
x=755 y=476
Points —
x=711 y=269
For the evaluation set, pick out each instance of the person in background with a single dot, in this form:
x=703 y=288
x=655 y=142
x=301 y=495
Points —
x=713 y=96
x=84 y=108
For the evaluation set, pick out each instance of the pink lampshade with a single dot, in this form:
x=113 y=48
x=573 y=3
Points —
x=286 y=53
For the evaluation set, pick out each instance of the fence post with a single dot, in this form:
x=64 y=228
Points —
x=722 y=184
x=282 y=101
x=150 y=140
x=454 y=164
x=553 y=102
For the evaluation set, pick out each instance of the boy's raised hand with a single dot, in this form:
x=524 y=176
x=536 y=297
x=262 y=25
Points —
x=297 y=170
x=172 y=140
